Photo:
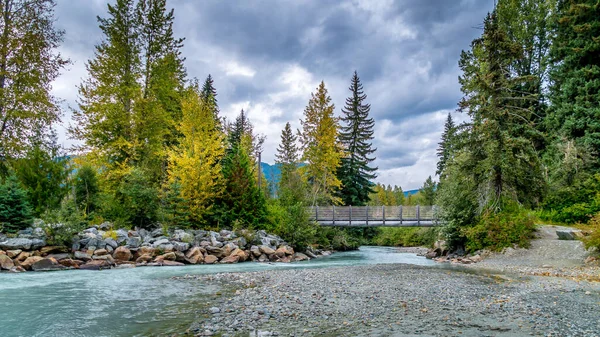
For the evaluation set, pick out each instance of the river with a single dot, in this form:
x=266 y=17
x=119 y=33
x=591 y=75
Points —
x=136 y=301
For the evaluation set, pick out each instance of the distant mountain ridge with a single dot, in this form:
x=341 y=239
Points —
x=273 y=174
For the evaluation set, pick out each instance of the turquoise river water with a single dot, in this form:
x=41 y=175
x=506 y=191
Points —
x=136 y=301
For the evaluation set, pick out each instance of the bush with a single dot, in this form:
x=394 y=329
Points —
x=336 y=239
x=510 y=227
x=86 y=189
x=291 y=223
x=15 y=211
x=406 y=237
x=62 y=224
x=593 y=240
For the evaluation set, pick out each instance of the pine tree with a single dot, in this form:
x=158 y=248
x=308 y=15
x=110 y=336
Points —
x=86 y=189
x=287 y=153
x=356 y=135
x=321 y=150
x=15 y=211
x=195 y=163
x=209 y=95
x=29 y=63
x=428 y=191
x=237 y=131
x=575 y=74
x=444 y=151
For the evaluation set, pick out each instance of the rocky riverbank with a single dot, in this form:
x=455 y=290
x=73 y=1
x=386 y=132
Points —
x=100 y=247
x=397 y=300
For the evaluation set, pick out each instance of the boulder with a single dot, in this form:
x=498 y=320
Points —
x=194 y=256
x=110 y=242
x=146 y=251
x=210 y=259
x=166 y=248
x=23 y=256
x=214 y=250
x=53 y=249
x=181 y=246
x=70 y=263
x=204 y=243
x=215 y=242
x=17 y=269
x=100 y=252
x=255 y=251
x=30 y=261
x=240 y=253
x=288 y=250
x=79 y=255
x=160 y=242
x=240 y=242
x=109 y=259
x=47 y=264
x=431 y=254
x=230 y=259
x=122 y=254
x=285 y=259
x=301 y=257
x=6 y=262
x=263 y=258
x=168 y=263
x=121 y=236
x=266 y=250
x=183 y=236
x=13 y=253
x=310 y=254
x=228 y=248
x=144 y=258
x=569 y=234
x=168 y=256
x=16 y=243
x=134 y=242
x=59 y=257
x=95 y=265
x=280 y=252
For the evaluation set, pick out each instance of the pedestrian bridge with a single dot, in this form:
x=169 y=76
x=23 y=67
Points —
x=375 y=216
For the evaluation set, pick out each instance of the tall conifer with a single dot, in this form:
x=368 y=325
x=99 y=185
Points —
x=444 y=151
x=287 y=153
x=356 y=135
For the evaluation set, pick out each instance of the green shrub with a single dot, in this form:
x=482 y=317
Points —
x=593 y=240
x=406 y=237
x=15 y=211
x=497 y=231
x=336 y=238
x=86 y=189
x=62 y=224
x=291 y=223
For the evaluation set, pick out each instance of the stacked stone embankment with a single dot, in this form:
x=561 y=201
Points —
x=99 y=247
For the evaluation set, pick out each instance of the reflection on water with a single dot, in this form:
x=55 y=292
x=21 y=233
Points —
x=137 y=301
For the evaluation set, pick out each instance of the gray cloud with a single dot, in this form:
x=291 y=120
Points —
x=267 y=57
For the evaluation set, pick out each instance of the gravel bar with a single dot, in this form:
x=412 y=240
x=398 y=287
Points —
x=397 y=300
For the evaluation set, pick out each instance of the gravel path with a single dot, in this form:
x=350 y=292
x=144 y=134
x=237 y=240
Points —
x=397 y=300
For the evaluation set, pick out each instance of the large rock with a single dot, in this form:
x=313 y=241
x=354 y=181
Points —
x=47 y=264
x=121 y=236
x=280 y=252
x=30 y=261
x=301 y=257
x=108 y=258
x=243 y=256
x=569 y=234
x=183 y=236
x=194 y=256
x=228 y=248
x=59 y=257
x=216 y=251
x=13 y=253
x=122 y=254
x=134 y=242
x=70 y=263
x=53 y=249
x=263 y=258
x=144 y=258
x=23 y=256
x=230 y=259
x=79 y=255
x=111 y=243
x=255 y=251
x=146 y=250
x=6 y=262
x=95 y=265
x=16 y=243
x=160 y=242
x=210 y=259
x=288 y=250
x=266 y=250
x=100 y=252
x=168 y=256
x=181 y=246
x=168 y=263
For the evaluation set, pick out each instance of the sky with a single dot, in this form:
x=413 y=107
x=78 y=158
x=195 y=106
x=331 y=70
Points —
x=266 y=57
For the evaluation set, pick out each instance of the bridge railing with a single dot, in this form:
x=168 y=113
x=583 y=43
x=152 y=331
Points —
x=374 y=215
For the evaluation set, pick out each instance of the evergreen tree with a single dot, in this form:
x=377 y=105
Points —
x=29 y=63
x=287 y=153
x=209 y=95
x=575 y=74
x=86 y=189
x=15 y=212
x=241 y=133
x=195 y=166
x=444 y=151
x=321 y=150
x=428 y=191
x=356 y=135
x=43 y=173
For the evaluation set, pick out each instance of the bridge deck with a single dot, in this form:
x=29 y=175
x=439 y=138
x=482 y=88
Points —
x=375 y=216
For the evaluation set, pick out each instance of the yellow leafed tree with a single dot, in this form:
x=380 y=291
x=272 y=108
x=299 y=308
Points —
x=194 y=164
x=322 y=151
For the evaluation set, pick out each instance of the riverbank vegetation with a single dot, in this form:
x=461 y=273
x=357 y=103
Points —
x=153 y=147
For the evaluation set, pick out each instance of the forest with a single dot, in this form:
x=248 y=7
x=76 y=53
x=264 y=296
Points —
x=154 y=150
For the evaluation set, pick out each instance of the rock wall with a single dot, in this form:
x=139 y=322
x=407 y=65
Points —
x=100 y=248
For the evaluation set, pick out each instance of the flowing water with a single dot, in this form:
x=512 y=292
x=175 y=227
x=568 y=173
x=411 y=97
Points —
x=136 y=301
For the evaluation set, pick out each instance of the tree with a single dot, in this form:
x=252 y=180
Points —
x=575 y=75
x=15 y=212
x=29 y=63
x=444 y=150
x=287 y=153
x=428 y=191
x=43 y=173
x=321 y=150
x=356 y=135
x=105 y=119
x=209 y=95
x=195 y=163
x=86 y=189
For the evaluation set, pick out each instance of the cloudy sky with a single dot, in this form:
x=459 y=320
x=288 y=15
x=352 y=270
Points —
x=268 y=56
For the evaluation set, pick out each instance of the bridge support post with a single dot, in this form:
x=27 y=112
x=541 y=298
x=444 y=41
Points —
x=367 y=210
x=317 y=213
x=418 y=215
x=400 y=214
x=350 y=217
x=383 y=214
x=333 y=214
